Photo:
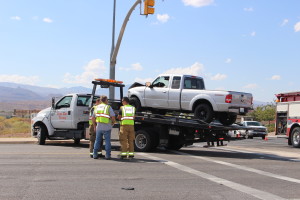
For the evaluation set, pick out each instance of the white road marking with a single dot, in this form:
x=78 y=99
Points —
x=241 y=167
x=235 y=186
x=270 y=154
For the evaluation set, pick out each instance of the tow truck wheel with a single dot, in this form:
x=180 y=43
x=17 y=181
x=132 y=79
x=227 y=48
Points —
x=134 y=101
x=295 y=139
x=227 y=119
x=204 y=112
x=77 y=141
x=41 y=135
x=144 y=140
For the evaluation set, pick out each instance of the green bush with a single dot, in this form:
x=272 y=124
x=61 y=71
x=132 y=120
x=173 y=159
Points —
x=271 y=128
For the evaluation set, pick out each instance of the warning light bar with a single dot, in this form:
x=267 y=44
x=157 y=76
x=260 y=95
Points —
x=108 y=80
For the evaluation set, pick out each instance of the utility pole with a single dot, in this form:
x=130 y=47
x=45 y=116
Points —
x=112 y=70
x=148 y=4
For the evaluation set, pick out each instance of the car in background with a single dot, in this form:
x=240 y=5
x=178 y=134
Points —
x=258 y=130
x=235 y=134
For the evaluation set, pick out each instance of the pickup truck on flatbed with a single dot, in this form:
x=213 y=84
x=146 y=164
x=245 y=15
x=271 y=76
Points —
x=186 y=93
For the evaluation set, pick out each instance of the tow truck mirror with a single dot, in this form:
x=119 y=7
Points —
x=53 y=102
x=148 y=84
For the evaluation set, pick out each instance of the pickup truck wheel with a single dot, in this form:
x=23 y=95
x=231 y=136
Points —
x=204 y=112
x=41 y=135
x=295 y=139
x=134 y=101
x=175 y=142
x=227 y=119
x=145 y=140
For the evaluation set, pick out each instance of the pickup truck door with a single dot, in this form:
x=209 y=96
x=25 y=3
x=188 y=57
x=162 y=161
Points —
x=175 y=93
x=157 y=95
x=61 y=114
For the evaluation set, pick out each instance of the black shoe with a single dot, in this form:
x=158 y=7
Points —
x=101 y=156
x=96 y=158
x=91 y=156
x=109 y=158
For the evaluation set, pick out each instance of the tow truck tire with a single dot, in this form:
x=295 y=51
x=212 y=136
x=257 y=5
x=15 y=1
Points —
x=134 y=101
x=227 y=119
x=145 y=140
x=175 y=142
x=41 y=135
x=295 y=137
x=77 y=141
x=204 y=112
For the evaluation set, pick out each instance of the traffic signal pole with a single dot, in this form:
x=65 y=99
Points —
x=115 y=50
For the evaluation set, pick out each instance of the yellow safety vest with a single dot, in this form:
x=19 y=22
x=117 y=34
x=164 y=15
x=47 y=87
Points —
x=91 y=114
x=102 y=113
x=127 y=115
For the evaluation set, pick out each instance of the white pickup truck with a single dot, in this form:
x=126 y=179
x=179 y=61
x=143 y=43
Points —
x=186 y=93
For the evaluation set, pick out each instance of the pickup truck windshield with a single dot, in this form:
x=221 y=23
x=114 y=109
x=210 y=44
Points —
x=193 y=83
x=253 y=124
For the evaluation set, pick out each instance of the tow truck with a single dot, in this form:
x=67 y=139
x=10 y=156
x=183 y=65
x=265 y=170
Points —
x=69 y=120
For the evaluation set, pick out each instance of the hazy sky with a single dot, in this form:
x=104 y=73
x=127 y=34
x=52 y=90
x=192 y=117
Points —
x=243 y=45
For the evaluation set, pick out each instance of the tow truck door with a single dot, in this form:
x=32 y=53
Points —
x=61 y=114
x=157 y=95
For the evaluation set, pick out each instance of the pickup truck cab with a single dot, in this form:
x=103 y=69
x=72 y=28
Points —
x=187 y=93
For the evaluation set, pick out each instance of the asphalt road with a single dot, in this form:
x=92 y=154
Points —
x=244 y=169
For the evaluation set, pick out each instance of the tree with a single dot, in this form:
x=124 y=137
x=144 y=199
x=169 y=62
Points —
x=264 y=113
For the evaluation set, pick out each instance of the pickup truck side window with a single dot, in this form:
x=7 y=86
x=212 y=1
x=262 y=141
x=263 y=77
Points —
x=193 y=83
x=64 y=102
x=176 y=82
x=162 y=82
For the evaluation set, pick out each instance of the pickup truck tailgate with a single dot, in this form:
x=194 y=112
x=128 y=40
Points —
x=241 y=99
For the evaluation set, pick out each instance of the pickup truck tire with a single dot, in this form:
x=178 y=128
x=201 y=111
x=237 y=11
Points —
x=175 y=142
x=295 y=137
x=204 y=112
x=145 y=140
x=134 y=101
x=41 y=135
x=227 y=119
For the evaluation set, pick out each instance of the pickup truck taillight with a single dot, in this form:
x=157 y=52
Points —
x=228 y=98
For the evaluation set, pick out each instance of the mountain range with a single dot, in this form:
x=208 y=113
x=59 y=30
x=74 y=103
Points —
x=21 y=96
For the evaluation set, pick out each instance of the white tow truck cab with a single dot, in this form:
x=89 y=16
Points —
x=68 y=117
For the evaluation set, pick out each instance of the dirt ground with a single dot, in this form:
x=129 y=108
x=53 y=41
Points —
x=15 y=135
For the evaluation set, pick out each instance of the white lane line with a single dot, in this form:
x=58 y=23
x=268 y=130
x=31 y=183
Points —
x=241 y=167
x=235 y=186
x=266 y=154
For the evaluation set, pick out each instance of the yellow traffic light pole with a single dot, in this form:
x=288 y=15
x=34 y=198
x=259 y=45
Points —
x=148 y=4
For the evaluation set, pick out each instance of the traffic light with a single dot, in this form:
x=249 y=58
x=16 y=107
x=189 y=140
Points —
x=148 y=7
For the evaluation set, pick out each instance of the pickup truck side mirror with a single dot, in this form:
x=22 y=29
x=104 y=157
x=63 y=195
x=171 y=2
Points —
x=148 y=84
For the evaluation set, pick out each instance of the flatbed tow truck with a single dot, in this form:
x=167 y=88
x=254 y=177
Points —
x=152 y=130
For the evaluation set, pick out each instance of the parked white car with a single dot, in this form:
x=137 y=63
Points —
x=258 y=130
x=186 y=93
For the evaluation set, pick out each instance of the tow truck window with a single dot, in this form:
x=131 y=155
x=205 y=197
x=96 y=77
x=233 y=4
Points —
x=193 y=83
x=64 y=102
x=162 y=82
x=89 y=100
x=83 y=100
x=176 y=82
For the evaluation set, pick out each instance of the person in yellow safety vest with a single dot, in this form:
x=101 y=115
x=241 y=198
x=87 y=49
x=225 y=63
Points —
x=127 y=134
x=92 y=131
x=103 y=119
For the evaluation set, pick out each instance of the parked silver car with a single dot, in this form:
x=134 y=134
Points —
x=258 y=130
